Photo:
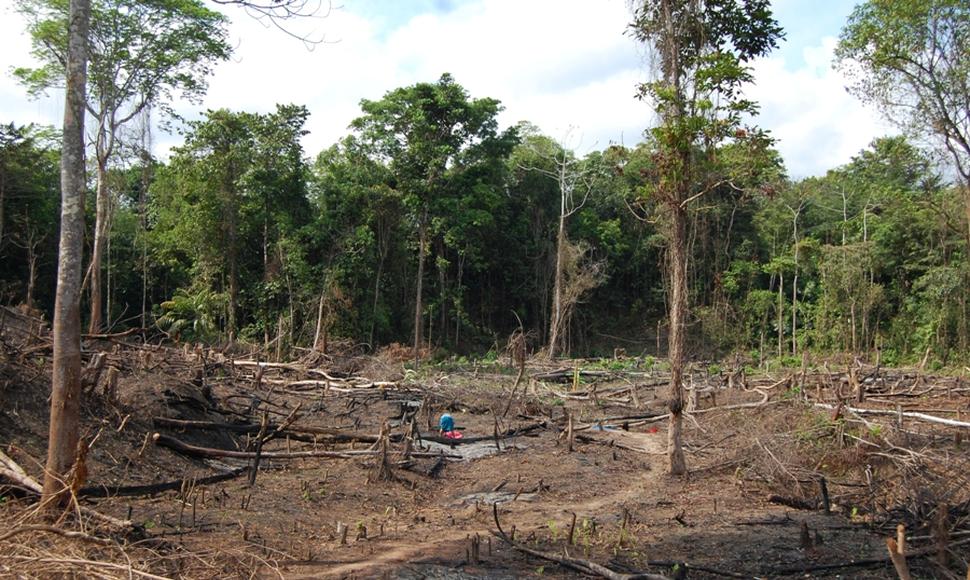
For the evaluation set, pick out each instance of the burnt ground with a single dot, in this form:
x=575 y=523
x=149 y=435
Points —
x=750 y=506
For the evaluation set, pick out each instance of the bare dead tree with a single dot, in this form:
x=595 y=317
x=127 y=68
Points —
x=281 y=13
x=575 y=182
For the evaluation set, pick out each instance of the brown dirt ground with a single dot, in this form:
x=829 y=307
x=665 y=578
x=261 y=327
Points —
x=629 y=513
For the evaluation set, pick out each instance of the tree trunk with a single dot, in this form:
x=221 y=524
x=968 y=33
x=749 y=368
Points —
x=102 y=210
x=377 y=295
x=443 y=295
x=32 y=244
x=66 y=380
x=317 y=334
x=232 y=254
x=676 y=461
x=794 y=288
x=794 y=314
x=143 y=223
x=781 y=313
x=3 y=202
x=555 y=323
x=418 y=319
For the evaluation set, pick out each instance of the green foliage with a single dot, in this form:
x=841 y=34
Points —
x=227 y=212
x=245 y=236
x=141 y=52
x=911 y=57
x=191 y=316
x=29 y=213
x=445 y=155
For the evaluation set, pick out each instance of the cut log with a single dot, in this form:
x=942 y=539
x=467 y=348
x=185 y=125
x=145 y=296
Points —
x=195 y=451
x=155 y=488
x=567 y=374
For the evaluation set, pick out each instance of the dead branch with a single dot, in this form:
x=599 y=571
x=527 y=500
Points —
x=53 y=530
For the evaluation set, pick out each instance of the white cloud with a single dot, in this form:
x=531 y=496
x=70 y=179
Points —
x=556 y=63
x=819 y=126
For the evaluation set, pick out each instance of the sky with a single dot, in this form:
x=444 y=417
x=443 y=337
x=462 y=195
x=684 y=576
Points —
x=566 y=66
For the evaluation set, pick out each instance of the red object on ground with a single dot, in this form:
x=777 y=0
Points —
x=453 y=434
x=653 y=429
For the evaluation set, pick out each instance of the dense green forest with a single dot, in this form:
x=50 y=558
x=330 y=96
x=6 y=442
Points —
x=430 y=222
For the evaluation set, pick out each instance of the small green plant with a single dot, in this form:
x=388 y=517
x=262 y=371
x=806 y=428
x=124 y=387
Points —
x=540 y=570
x=585 y=533
x=553 y=530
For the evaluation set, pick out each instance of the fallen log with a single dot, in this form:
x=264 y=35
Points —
x=908 y=414
x=297 y=433
x=155 y=488
x=809 y=568
x=793 y=502
x=567 y=374
x=109 y=336
x=206 y=425
x=12 y=471
x=196 y=451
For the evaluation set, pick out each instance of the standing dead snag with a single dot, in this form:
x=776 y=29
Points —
x=897 y=552
x=260 y=439
x=517 y=349
x=382 y=468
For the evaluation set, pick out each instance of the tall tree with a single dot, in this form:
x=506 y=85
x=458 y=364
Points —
x=141 y=54
x=912 y=59
x=227 y=200
x=66 y=379
x=701 y=49
x=430 y=134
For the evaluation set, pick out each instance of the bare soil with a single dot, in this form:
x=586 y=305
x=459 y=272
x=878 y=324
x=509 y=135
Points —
x=608 y=500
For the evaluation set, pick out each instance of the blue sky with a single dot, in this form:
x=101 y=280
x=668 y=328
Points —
x=807 y=22
x=565 y=65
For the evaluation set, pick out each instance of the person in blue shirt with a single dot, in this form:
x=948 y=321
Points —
x=446 y=424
